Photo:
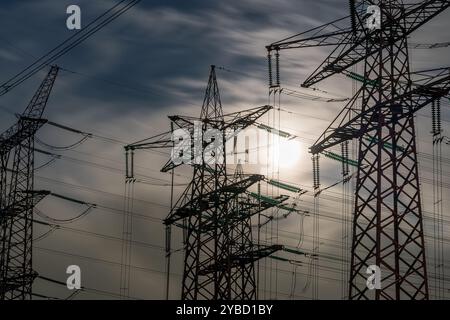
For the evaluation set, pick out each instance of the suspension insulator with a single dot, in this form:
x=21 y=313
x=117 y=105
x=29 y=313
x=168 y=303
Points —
x=433 y=118
x=126 y=165
x=316 y=171
x=168 y=238
x=269 y=62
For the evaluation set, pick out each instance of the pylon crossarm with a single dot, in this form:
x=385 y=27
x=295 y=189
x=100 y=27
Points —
x=395 y=109
x=230 y=120
x=346 y=55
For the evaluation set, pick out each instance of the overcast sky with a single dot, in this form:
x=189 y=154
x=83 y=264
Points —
x=153 y=62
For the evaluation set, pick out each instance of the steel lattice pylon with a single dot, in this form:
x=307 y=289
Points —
x=387 y=223
x=219 y=255
x=18 y=196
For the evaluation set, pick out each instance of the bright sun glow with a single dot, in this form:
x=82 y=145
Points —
x=287 y=153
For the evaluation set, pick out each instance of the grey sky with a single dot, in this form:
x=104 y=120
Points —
x=159 y=53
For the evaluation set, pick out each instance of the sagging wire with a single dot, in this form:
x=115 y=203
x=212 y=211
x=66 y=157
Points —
x=436 y=118
x=149 y=183
x=55 y=157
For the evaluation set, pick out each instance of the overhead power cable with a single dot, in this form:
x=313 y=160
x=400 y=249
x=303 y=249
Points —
x=90 y=29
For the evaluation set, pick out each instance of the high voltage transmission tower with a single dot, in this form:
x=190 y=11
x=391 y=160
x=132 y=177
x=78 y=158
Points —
x=18 y=197
x=215 y=209
x=387 y=221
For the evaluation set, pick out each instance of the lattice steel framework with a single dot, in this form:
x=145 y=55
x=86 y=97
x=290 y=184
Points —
x=387 y=224
x=18 y=196
x=205 y=246
x=218 y=255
